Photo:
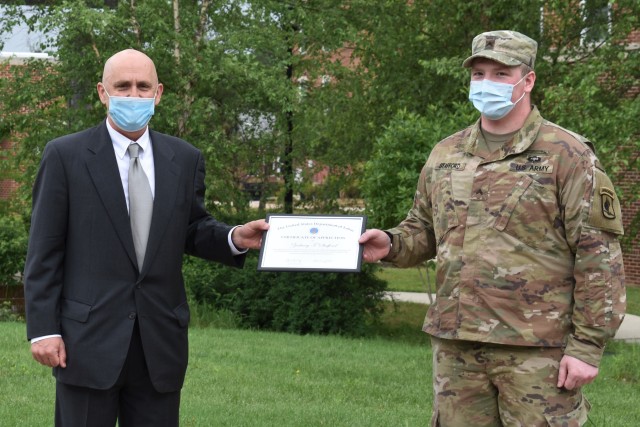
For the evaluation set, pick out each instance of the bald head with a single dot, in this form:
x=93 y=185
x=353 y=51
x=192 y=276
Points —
x=129 y=59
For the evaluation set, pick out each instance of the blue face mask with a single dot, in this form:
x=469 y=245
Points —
x=493 y=99
x=131 y=113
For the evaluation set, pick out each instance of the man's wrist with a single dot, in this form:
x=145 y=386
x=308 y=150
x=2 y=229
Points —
x=234 y=249
x=390 y=236
x=584 y=351
x=44 y=337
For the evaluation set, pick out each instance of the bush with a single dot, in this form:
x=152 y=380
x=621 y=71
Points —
x=298 y=302
x=392 y=172
x=13 y=250
x=8 y=313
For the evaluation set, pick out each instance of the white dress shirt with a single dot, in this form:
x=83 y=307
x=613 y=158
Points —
x=145 y=157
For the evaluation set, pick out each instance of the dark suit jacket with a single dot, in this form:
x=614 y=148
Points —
x=81 y=276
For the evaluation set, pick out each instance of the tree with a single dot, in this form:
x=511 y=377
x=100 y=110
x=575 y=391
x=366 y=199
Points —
x=263 y=82
x=411 y=61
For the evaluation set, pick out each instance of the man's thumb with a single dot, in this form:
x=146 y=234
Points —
x=62 y=355
x=562 y=373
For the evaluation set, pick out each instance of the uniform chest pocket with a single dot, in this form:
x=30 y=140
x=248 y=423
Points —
x=443 y=202
x=529 y=212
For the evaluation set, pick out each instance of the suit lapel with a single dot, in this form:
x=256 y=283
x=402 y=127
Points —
x=103 y=169
x=167 y=173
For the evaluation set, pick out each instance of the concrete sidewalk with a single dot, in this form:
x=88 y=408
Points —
x=629 y=330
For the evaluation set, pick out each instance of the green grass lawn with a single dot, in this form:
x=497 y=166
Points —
x=633 y=300
x=406 y=279
x=248 y=378
x=252 y=378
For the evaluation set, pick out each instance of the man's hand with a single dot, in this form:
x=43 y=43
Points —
x=376 y=245
x=50 y=352
x=575 y=373
x=249 y=236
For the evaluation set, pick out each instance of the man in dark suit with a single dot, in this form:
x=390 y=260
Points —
x=107 y=309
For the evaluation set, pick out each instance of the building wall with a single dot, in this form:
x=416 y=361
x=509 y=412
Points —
x=7 y=186
x=631 y=253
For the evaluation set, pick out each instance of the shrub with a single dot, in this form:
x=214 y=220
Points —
x=392 y=172
x=298 y=302
x=9 y=313
x=13 y=250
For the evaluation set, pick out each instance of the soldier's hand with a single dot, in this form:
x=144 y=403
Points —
x=50 y=352
x=575 y=373
x=376 y=245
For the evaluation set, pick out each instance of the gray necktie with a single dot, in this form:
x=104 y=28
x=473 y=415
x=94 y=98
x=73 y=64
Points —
x=140 y=204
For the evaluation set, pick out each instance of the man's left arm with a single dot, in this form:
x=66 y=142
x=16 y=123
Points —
x=593 y=224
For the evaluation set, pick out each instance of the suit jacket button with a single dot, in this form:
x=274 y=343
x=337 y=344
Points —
x=132 y=315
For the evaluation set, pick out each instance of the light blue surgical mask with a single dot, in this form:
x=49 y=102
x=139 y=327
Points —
x=493 y=99
x=131 y=113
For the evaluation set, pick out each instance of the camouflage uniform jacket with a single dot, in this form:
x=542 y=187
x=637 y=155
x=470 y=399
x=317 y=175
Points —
x=526 y=241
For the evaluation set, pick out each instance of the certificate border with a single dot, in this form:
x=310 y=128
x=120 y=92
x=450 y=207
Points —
x=356 y=269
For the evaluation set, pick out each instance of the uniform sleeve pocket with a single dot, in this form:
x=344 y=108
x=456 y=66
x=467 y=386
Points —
x=75 y=310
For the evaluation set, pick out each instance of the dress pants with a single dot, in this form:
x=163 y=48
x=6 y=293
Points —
x=132 y=401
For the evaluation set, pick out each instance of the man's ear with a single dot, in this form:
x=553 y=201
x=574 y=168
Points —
x=159 y=93
x=102 y=94
x=529 y=81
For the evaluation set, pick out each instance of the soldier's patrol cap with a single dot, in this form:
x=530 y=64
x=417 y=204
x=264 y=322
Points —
x=507 y=47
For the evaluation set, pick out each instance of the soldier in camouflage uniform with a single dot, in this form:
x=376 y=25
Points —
x=524 y=223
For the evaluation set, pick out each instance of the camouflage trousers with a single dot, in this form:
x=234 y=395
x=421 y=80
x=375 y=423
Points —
x=492 y=385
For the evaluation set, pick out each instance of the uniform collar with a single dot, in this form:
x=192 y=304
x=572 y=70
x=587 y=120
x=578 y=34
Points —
x=521 y=141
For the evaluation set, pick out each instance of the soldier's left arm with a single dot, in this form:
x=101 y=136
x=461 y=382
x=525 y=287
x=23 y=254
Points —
x=593 y=224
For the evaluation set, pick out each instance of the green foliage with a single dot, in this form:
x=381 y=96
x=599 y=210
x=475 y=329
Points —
x=13 y=250
x=399 y=154
x=411 y=55
x=234 y=76
x=8 y=314
x=223 y=65
x=233 y=86
x=319 y=303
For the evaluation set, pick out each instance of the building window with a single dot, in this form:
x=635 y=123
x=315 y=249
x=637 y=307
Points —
x=596 y=15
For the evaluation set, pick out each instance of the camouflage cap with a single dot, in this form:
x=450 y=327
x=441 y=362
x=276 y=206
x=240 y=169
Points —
x=507 y=47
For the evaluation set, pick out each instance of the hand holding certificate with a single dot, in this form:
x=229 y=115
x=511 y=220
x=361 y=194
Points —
x=312 y=243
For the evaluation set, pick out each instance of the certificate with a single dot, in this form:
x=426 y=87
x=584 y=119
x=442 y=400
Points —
x=312 y=243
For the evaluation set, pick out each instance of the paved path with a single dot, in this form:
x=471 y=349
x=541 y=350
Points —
x=629 y=330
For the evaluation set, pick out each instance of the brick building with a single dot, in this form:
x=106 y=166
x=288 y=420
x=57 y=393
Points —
x=7 y=186
x=627 y=181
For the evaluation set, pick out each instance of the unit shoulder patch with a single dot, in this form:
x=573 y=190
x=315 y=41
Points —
x=605 y=206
